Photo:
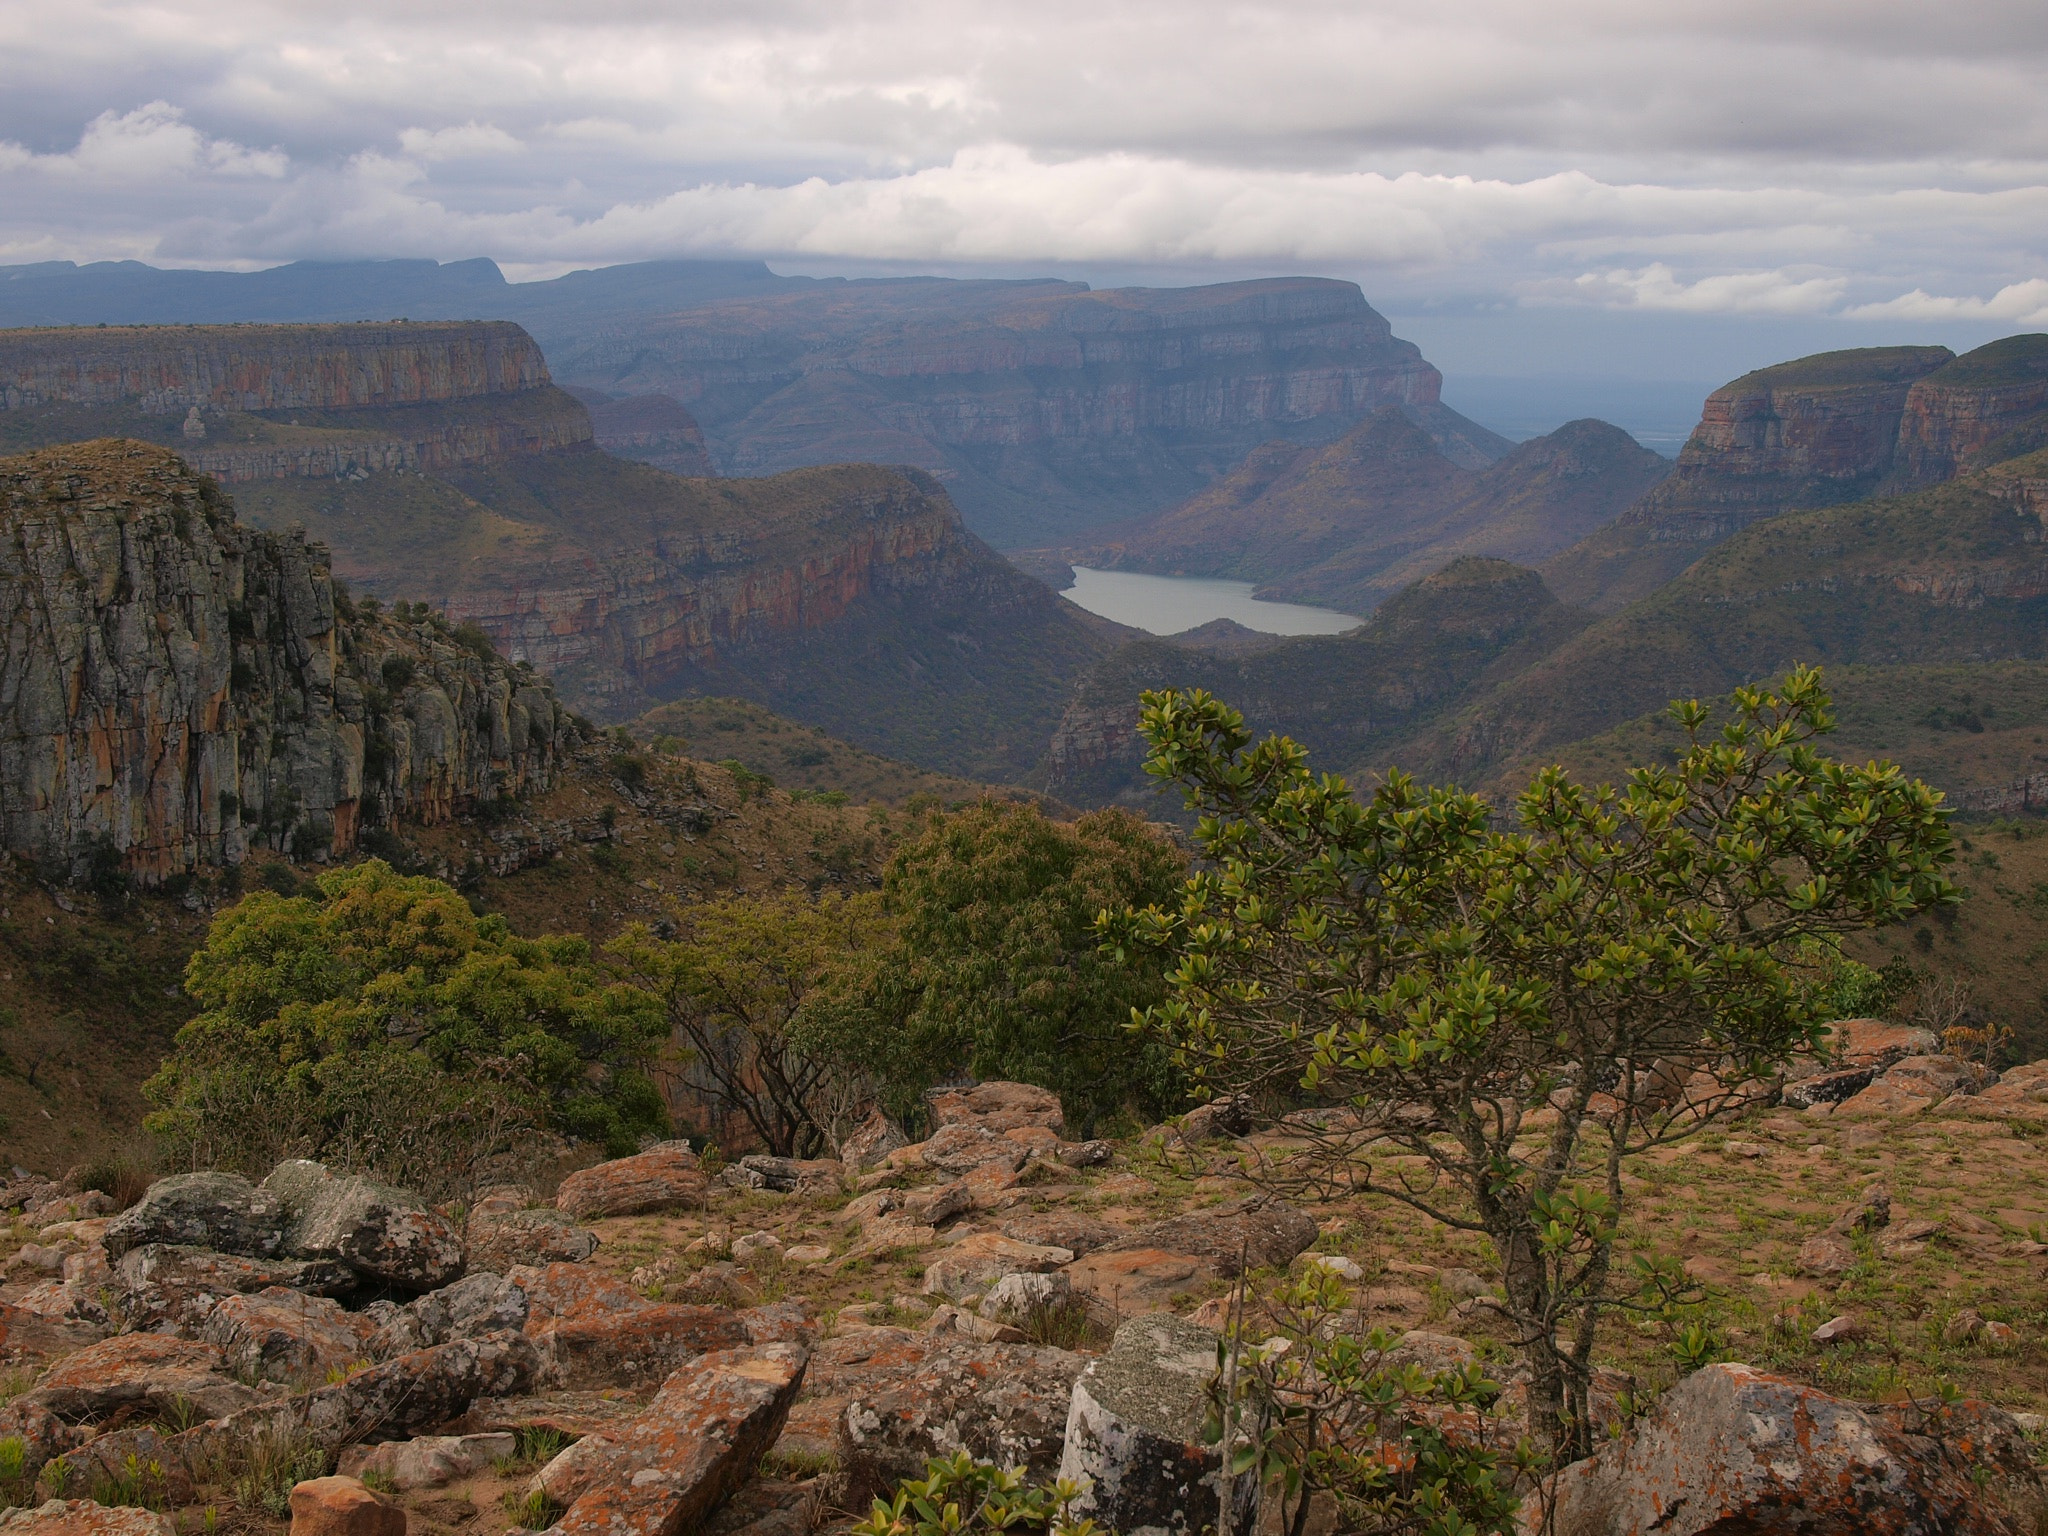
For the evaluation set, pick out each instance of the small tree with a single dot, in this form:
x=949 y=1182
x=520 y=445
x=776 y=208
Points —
x=738 y=986
x=1521 y=1010
x=997 y=969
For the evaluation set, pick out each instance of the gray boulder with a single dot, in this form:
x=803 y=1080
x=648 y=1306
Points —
x=1134 y=1435
x=476 y=1305
x=221 y=1211
x=163 y=1288
x=497 y=1240
x=381 y=1233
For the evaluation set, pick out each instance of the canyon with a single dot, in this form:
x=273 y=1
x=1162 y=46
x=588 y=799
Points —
x=176 y=687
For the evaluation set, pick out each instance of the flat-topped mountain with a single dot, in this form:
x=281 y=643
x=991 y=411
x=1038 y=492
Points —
x=1816 y=432
x=1350 y=522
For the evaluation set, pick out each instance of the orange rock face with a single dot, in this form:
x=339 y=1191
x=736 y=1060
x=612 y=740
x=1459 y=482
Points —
x=83 y=1517
x=662 y=1179
x=595 y=1331
x=342 y=1506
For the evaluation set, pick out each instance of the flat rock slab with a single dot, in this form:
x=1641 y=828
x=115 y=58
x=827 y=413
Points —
x=31 y=1335
x=975 y=1263
x=703 y=1434
x=1265 y=1236
x=162 y=1287
x=1130 y=1281
x=666 y=1178
x=960 y=1148
x=82 y=1517
x=569 y=1414
x=497 y=1240
x=595 y=1331
x=1063 y=1229
x=149 y=1370
x=428 y=1461
x=220 y=1211
x=286 y=1336
x=998 y=1107
x=1733 y=1449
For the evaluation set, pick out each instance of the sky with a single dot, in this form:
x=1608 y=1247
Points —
x=1636 y=190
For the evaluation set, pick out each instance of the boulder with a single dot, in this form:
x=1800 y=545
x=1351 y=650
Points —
x=219 y=1211
x=2021 y=1093
x=160 y=1287
x=1732 y=1449
x=703 y=1434
x=1130 y=1281
x=997 y=1107
x=1878 y=1042
x=1827 y=1088
x=1085 y=1154
x=1134 y=1435
x=1019 y=1299
x=381 y=1233
x=473 y=1306
x=930 y=1207
x=889 y=1399
x=35 y=1335
x=787 y=1175
x=1062 y=1229
x=428 y=1461
x=1938 y=1075
x=1825 y=1256
x=1218 y=1120
x=497 y=1240
x=286 y=1336
x=664 y=1178
x=871 y=1145
x=976 y=1262
x=594 y=1331
x=569 y=1414
x=958 y=1148
x=83 y=1517
x=1263 y=1235
x=69 y=1302
x=342 y=1506
x=148 y=1370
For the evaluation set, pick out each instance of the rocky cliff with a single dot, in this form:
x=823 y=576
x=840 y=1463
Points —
x=175 y=685
x=1353 y=521
x=248 y=403
x=1987 y=405
x=1046 y=408
x=650 y=428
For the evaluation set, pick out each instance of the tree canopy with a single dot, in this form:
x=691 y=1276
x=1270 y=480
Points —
x=1520 y=1004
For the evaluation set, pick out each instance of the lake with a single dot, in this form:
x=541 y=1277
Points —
x=1166 y=605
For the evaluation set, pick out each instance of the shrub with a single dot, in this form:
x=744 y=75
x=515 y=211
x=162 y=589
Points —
x=959 y=1496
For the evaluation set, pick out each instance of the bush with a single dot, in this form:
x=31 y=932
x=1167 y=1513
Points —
x=959 y=1496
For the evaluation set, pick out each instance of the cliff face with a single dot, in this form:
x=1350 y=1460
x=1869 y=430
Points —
x=650 y=428
x=174 y=685
x=1045 y=407
x=1958 y=417
x=248 y=403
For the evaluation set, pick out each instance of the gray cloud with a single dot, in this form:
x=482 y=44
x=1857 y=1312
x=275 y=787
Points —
x=1817 y=158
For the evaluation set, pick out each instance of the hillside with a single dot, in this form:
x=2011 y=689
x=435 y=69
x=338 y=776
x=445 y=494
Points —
x=1818 y=431
x=439 y=463
x=1349 y=523
x=1343 y=696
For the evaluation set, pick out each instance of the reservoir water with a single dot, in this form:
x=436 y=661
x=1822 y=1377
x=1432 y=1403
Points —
x=1166 y=605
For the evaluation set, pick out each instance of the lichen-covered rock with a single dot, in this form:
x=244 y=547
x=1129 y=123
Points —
x=975 y=1263
x=220 y=1211
x=664 y=1178
x=703 y=1434
x=178 y=685
x=1018 y=1299
x=148 y=1370
x=877 y=1137
x=286 y=1336
x=343 y=1506
x=593 y=1330
x=427 y=1461
x=1134 y=1435
x=964 y=1146
x=383 y=1234
x=2021 y=1093
x=1256 y=1234
x=84 y=1517
x=786 y=1175
x=161 y=1287
x=998 y=1107
x=1130 y=1281
x=1733 y=1449
x=497 y=1240
x=1062 y=1229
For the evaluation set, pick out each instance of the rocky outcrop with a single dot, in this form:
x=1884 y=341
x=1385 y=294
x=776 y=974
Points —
x=175 y=686
x=1048 y=408
x=1986 y=405
x=651 y=428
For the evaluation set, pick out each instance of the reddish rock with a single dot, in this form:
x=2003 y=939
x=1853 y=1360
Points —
x=1878 y=1042
x=877 y=1137
x=1134 y=1280
x=2021 y=1093
x=1062 y=1229
x=593 y=1330
x=146 y=1369
x=703 y=1434
x=285 y=1335
x=497 y=1240
x=569 y=1414
x=1732 y=1450
x=342 y=1506
x=666 y=1178
x=83 y=1517
x=165 y=1288
x=959 y=1148
x=973 y=1264
x=29 y=1334
x=998 y=1107
x=1263 y=1235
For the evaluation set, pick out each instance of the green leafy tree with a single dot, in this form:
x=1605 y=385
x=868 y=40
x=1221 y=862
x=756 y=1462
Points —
x=1519 y=1009
x=748 y=986
x=382 y=1016
x=997 y=969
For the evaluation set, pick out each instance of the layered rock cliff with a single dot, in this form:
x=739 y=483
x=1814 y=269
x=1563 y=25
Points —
x=651 y=428
x=175 y=686
x=1046 y=408
x=1986 y=405
x=250 y=403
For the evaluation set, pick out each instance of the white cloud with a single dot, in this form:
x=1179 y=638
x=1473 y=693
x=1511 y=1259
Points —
x=467 y=142
x=2024 y=303
x=1658 y=287
x=145 y=145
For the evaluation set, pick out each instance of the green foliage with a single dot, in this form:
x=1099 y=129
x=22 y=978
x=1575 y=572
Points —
x=1320 y=1406
x=753 y=987
x=365 y=1024
x=1521 y=1007
x=958 y=1496
x=997 y=970
x=1838 y=987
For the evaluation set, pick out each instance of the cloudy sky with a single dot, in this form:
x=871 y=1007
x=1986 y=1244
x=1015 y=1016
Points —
x=1561 y=185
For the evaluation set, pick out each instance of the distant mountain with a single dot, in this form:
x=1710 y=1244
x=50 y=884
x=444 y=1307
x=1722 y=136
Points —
x=1820 y=431
x=1353 y=521
x=650 y=428
x=1047 y=409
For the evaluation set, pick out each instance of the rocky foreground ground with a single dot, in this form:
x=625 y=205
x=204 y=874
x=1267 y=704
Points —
x=669 y=1345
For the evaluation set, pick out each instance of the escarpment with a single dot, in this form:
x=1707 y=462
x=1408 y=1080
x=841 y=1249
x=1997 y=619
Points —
x=247 y=403
x=176 y=686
